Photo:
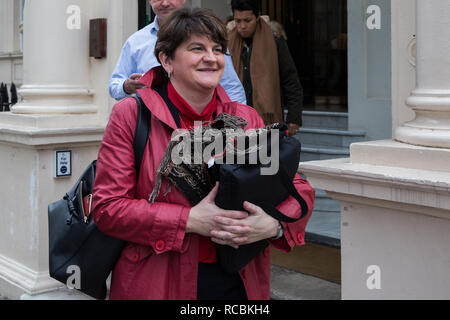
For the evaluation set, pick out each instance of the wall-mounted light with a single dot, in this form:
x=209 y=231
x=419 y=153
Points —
x=97 y=38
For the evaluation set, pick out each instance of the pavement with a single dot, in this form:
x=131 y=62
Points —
x=291 y=285
x=285 y=285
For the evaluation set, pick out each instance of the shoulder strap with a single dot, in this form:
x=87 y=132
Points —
x=141 y=134
x=163 y=92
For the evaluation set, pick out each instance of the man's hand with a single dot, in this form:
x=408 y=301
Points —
x=292 y=129
x=132 y=84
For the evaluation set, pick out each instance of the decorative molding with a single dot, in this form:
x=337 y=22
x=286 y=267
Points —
x=407 y=188
x=11 y=55
x=50 y=137
x=28 y=280
x=411 y=51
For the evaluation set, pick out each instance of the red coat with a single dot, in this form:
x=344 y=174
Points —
x=160 y=261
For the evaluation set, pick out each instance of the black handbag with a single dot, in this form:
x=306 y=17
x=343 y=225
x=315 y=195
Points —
x=74 y=239
x=244 y=182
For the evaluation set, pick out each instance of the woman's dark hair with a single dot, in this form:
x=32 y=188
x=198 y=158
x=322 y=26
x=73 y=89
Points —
x=183 y=23
x=245 y=5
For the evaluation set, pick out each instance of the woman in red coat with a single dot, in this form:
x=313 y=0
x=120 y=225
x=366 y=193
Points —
x=170 y=251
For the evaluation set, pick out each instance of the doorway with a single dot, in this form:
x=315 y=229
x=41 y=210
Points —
x=145 y=13
x=317 y=38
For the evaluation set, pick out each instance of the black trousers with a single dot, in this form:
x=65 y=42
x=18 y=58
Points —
x=215 y=284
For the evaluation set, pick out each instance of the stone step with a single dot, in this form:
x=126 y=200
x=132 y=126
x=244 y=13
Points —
x=329 y=120
x=313 y=153
x=61 y=294
x=291 y=285
x=328 y=137
x=324 y=228
x=324 y=203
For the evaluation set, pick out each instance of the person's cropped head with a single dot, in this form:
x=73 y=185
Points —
x=246 y=13
x=163 y=8
x=191 y=46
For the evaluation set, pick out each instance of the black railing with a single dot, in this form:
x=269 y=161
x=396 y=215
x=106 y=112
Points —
x=5 y=102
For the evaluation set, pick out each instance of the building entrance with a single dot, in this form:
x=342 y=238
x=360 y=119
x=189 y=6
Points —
x=317 y=38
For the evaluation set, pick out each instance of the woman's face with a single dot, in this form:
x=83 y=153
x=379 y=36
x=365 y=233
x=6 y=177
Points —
x=198 y=64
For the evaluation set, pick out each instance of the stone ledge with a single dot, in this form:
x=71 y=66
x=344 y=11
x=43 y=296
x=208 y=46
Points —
x=50 y=121
x=396 y=154
x=420 y=191
x=50 y=130
x=60 y=294
x=19 y=278
x=50 y=137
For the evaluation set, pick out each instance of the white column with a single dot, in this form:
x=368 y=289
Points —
x=431 y=98
x=7 y=30
x=395 y=208
x=56 y=59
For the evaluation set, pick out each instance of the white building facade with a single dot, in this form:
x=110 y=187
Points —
x=394 y=193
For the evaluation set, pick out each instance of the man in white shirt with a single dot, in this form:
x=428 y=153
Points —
x=137 y=57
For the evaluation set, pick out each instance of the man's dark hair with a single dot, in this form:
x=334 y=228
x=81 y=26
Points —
x=245 y=5
x=183 y=23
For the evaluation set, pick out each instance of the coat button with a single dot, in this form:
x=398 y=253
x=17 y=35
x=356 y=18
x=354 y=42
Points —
x=160 y=245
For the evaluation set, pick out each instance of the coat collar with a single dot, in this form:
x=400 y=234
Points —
x=154 y=78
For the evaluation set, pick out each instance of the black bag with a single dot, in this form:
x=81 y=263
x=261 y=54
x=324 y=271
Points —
x=74 y=239
x=244 y=182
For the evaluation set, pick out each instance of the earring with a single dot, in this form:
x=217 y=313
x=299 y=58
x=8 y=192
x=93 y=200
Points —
x=169 y=74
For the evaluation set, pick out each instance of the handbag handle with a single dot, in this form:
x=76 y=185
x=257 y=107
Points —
x=289 y=185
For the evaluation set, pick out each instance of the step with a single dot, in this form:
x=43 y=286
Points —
x=328 y=137
x=324 y=228
x=324 y=203
x=60 y=294
x=330 y=120
x=313 y=153
x=286 y=284
x=319 y=261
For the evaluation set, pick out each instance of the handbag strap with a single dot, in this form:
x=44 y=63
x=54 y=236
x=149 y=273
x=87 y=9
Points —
x=141 y=134
x=289 y=185
x=164 y=93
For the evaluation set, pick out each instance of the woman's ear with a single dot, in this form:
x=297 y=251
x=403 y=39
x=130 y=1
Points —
x=166 y=62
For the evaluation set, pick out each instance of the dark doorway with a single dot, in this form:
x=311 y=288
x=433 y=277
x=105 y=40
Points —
x=317 y=39
x=145 y=13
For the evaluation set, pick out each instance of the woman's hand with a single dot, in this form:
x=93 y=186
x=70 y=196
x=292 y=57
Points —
x=201 y=217
x=257 y=226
